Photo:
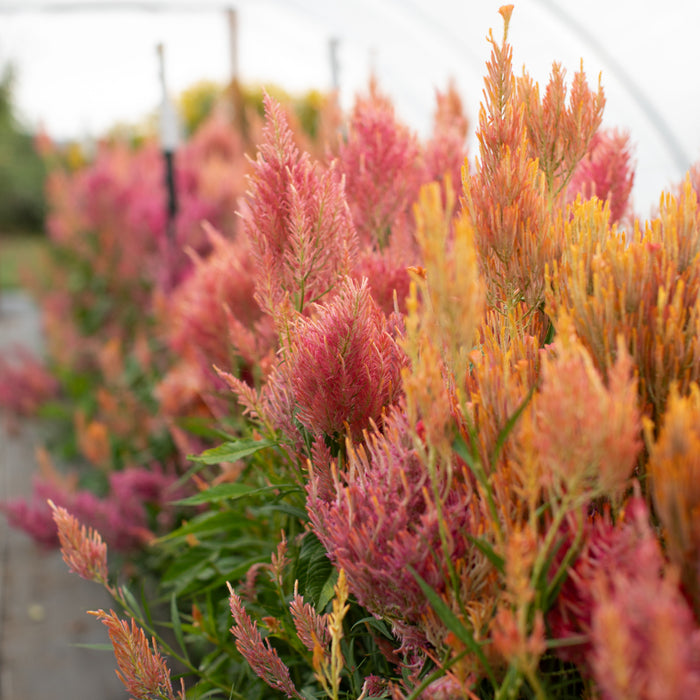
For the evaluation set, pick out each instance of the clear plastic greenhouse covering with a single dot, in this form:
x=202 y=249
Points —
x=83 y=65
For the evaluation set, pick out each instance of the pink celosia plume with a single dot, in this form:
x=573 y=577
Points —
x=312 y=628
x=301 y=234
x=25 y=383
x=380 y=520
x=382 y=168
x=344 y=368
x=606 y=172
x=261 y=656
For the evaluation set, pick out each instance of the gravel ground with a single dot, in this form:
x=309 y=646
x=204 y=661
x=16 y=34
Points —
x=42 y=606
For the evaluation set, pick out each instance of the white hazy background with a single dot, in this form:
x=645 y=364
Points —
x=82 y=66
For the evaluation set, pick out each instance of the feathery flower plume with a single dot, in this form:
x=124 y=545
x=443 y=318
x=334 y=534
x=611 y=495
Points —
x=312 y=628
x=445 y=153
x=674 y=468
x=83 y=549
x=381 y=165
x=452 y=291
x=263 y=659
x=142 y=670
x=504 y=369
x=300 y=230
x=380 y=519
x=343 y=367
x=25 y=383
x=645 y=643
x=387 y=277
x=560 y=135
x=331 y=665
x=506 y=196
x=529 y=148
x=516 y=637
x=628 y=547
x=645 y=290
x=279 y=561
x=606 y=172
x=220 y=288
x=585 y=435
x=93 y=440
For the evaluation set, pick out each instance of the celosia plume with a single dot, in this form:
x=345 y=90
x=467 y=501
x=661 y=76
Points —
x=263 y=659
x=301 y=233
x=338 y=372
x=388 y=279
x=452 y=291
x=380 y=519
x=331 y=666
x=519 y=639
x=381 y=165
x=645 y=290
x=674 y=468
x=83 y=549
x=560 y=134
x=529 y=148
x=312 y=628
x=584 y=436
x=121 y=517
x=25 y=383
x=344 y=368
x=606 y=172
x=445 y=153
x=646 y=644
x=506 y=197
x=627 y=547
x=219 y=290
x=142 y=670
x=504 y=371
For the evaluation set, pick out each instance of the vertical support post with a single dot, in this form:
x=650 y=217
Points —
x=232 y=16
x=333 y=44
x=169 y=138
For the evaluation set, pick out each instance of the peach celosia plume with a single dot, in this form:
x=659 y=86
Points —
x=83 y=549
x=528 y=149
x=645 y=290
x=142 y=669
x=674 y=468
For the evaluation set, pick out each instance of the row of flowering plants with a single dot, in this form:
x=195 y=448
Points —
x=410 y=425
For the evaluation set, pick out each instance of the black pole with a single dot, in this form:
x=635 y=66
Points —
x=169 y=157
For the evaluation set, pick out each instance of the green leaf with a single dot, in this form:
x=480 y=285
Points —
x=379 y=626
x=299 y=514
x=232 y=451
x=225 y=492
x=328 y=590
x=314 y=570
x=185 y=568
x=488 y=551
x=452 y=622
x=510 y=424
x=202 y=427
x=463 y=451
x=206 y=525
x=177 y=625
x=130 y=603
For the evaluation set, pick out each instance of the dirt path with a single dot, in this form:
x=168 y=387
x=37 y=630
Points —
x=42 y=605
